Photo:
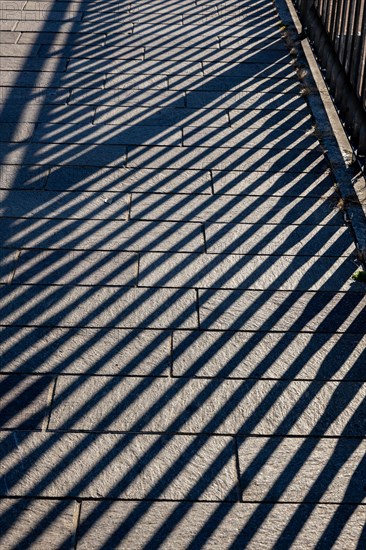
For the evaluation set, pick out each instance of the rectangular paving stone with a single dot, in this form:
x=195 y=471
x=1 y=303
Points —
x=77 y=34
x=119 y=466
x=27 y=78
x=99 y=307
x=237 y=83
x=63 y=154
x=248 y=70
x=50 y=113
x=246 y=100
x=24 y=401
x=263 y=119
x=175 y=525
x=76 y=5
x=70 y=26
x=246 y=209
x=135 y=66
x=109 y=17
x=212 y=54
x=38 y=523
x=32 y=64
x=110 y=179
x=51 y=79
x=272 y=355
x=90 y=51
x=73 y=79
x=282 y=311
x=261 y=407
x=270 y=39
x=118 y=352
x=98 y=134
x=150 y=98
x=41 y=11
x=160 y=7
x=229 y=159
x=322 y=240
x=161 y=40
x=272 y=183
x=12 y=96
x=62 y=267
x=43 y=204
x=249 y=137
x=102 y=235
x=246 y=272
x=137 y=82
x=302 y=470
x=253 y=23
x=204 y=22
x=145 y=116
x=18 y=50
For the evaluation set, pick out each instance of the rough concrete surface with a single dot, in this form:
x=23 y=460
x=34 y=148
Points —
x=182 y=343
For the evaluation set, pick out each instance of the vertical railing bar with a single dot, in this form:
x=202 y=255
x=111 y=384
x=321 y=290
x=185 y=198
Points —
x=328 y=15
x=355 y=48
x=349 y=37
x=333 y=20
x=323 y=11
x=342 y=25
x=363 y=59
x=337 y=24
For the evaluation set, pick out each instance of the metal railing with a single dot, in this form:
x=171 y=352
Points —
x=337 y=30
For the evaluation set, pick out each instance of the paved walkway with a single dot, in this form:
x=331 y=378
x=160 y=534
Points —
x=183 y=348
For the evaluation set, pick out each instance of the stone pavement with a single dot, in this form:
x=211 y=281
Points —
x=183 y=347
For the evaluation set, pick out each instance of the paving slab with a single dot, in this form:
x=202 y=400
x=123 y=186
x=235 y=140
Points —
x=248 y=138
x=235 y=83
x=120 y=352
x=302 y=470
x=37 y=523
x=226 y=159
x=244 y=272
x=277 y=239
x=212 y=525
x=272 y=183
x=129 y=466
x=268 y=355
x=24 y=401
x=282 y=310
x=74 y=178
x=118 y=66
x=261 y=407
x=48 y=204
x=99 y=307
x=68 y=234
x=235 y=209
x=62 y=267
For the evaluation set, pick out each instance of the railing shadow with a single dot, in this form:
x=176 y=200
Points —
x=178 y=321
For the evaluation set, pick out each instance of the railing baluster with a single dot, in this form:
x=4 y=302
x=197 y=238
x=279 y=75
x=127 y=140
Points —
x=337 y=29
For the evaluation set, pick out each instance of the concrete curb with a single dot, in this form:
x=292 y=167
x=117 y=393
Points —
x=349 y=181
